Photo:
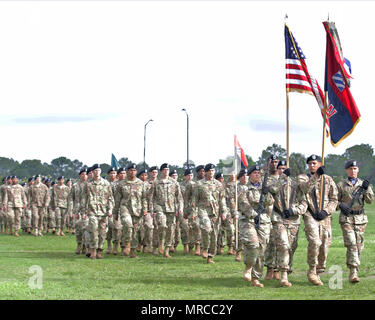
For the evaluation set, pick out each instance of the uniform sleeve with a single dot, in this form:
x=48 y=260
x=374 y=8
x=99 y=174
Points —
x=71 y=198
x=5 y=197
x=151 y=197
x=24 y=199
x=300 y=205
x=117 y=197
x=194 y=201
x=179 y=198
x=275 y=185
x=244 y=205
x=339 y=192
x=332 y=196
x=46 y=197
x=84 y=200
x=111 y=201
x=29 y=196
x=368 y=196
x=144 y=199
x=222 y=204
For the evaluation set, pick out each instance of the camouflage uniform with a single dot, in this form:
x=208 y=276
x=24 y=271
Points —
x=114 y=225
x=51 y=216
x=208 y=202
x=155 y=232
x=286 y=229
x=241 y=189
x=97 y=202
x=38 y=200
x=353 y=226
x=14 y=200
x=148 y=224
x=60 y=204
x=254 y=239
x=74 y=204
x=165 y=201
x=182 y=226
x=193 y=220
x=318 y=233
x=130 y=205
x=3 y=214
x=70 y=219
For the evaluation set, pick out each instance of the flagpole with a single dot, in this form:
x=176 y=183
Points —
x=287 y=146
x=235 y=195
x=323 y=145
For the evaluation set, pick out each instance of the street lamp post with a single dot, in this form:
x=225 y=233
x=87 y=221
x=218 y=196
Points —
x=144 y=145
x=187 y=138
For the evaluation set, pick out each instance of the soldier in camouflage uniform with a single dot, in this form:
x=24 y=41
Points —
x=51 y=217
x=148 y=225
x=60 y=204
x=270 y=257
x=74 y=202
x=4 y=187
x=154 y=171
x=227 y=226
x=3 y=219
x=14 y=201
x=318 y=221
x=353 y=219
x=166 y=202
x=193 y=219
x=112 y=174
x=130 y=207
x=253 y=239
x=27 y=211
x=38 y=200
x=69 y=215
x=185 y=235
x=208 y=202
x=286 y=221
x=97 y=203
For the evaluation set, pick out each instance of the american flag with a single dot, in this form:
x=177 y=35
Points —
x=298 y=78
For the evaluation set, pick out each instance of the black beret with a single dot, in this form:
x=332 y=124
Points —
x=37 y=176
x=253 y=168
x=163 y=166
x=23 y=184
x=208 y=167
x=30 y=179
x=351 y=163
x=131 y=166
x=199 y=168
x=219 y=175
x=53 y=183
x=61 y=177
x=141 y=172
x=120 y=170
x=47 y=180
x=69 y=180
x=111 y=169
x=82 y=170
x=174 y=171
x=89 y=169
x=242 y=173
x=9 y=177
x=14 y=177
x=154 y=168
x=188 y=171
x=313 y=157
x=281 y=163
x=95 y=166
x=273 y=157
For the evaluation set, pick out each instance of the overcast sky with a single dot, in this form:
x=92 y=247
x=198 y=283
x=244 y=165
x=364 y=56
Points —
x=81 y=79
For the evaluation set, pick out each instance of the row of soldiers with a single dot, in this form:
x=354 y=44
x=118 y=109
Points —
x=134 y=210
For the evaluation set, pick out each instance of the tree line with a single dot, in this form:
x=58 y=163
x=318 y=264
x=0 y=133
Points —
x=62 y=166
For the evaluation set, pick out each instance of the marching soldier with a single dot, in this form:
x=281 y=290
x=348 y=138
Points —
x=3 y=219
x=130 y=207
x=74 y=208
x=352 y=194
x=60 y=204
x=154 y=171
x=254 y=228
x=51 y=217
x=286 y=221
x=69 y=215
x=166 y=202
x=112 y=173
x=27 y=213
x=38 y=201
x=208 y=202
x=318 y=220
x=13 y=202
x=97 y=203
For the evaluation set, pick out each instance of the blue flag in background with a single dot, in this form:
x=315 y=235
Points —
x=114 y=162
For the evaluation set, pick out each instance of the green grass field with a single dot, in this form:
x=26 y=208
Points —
x=70 y=276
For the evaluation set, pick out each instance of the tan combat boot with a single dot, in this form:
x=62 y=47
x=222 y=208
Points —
x=247 y=273
x=132 y=253
x=186 y=249
x=58 y=232
x=210 y=260
x=238 y=256
x=256 y=283
x=98 y=254
x=276 y=275
x=231 y=252
x=147 y=249
x=353 y=275
x=126 y=250
x=36 y=232
x=16 y=234
x=204 y=254
x=92 y=253
x=197 y=249
x=313 y=278
x=155 y=252
x=109 y=247
x=173 y=249
x=160 y=249
x=79 y=248
x=269 y=274
x=115 y=248
x=62 y=232
x=139 y=248
x=220 y=251
x=284 y=279
x=166 y=253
